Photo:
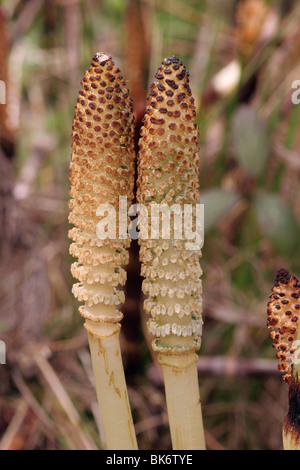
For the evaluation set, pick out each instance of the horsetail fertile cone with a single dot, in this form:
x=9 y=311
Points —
x=168 y=163
x=250 y=19
x=283 y=321
x=102 y=169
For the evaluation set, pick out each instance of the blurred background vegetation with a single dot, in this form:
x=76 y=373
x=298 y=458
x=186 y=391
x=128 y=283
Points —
x=243 y=57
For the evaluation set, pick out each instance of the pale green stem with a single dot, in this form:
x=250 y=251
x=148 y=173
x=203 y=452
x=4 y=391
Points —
x=183 y=401
x=110 y=386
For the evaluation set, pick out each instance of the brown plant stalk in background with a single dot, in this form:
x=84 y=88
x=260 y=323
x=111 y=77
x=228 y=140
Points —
x=6 y=134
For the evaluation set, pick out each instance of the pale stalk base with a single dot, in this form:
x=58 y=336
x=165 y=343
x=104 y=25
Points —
x=291 y=424
x=183 y=401
x=290 y=442
x=111 y=387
